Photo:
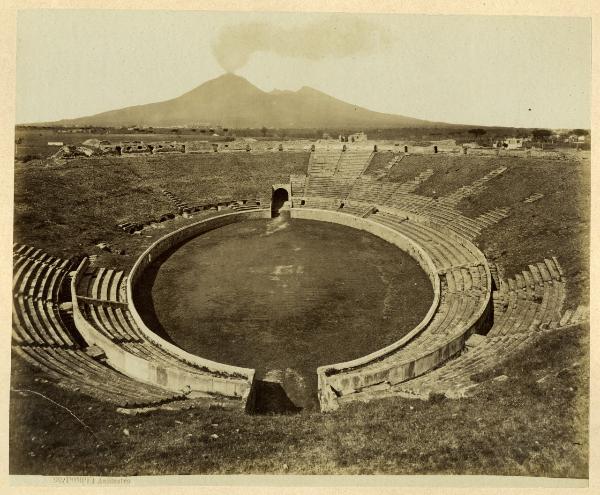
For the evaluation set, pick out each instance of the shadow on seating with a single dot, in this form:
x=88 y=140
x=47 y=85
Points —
x=270 y=398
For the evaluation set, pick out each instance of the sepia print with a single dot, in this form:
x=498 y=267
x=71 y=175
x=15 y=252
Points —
x=268 y=243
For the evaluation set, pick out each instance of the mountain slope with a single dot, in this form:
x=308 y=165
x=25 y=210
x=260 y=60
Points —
x=232 y=101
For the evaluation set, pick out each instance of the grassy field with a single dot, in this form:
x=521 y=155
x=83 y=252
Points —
x=533 y=424
x=67 y=209
x=218 y=176
x=556 y=225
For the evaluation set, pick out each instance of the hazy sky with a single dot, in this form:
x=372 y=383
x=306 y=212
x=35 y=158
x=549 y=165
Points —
x=514 y=71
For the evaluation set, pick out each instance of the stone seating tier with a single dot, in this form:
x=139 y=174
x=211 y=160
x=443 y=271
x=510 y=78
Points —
x=465 y=287
x=323 y=163
x=103 y=284
x=41 y=337
x=78 y=371
x=352 y=164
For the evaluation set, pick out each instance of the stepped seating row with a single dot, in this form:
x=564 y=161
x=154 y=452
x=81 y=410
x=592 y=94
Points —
x=110 y=321
x=75 y=369
x=249 y=206
x=352 y=164
x=245 y=204
x=34 y=278
x=465 y=278
x=298 y=183
x=374 y=192
x=317 y=202
x=454 y=378
x=103 y=284
x=37 y=321
x=440 y=211
x=410 y=186
x=475 y=187
x=117 y=324
x=44 y=336
x=463 y=226
x=33 y=253
x=492 y=217
x=466 y=227
x=323 y=163
x=445 y=252
x=412 y=203
x=371 y=190
x=179 y=203
x=449 y=323
x=531 y=299
x=445 y=215
x=523 y=308
x=37 y=274
x=327 y=187
x=581 y=314
x=356 y=209
x=464 y=294
x=533 y=198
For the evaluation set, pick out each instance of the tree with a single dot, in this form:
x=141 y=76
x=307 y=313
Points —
x=263 y=131
x=541 y=134
x=477 y=132
x=521 y=133
x=580 y=132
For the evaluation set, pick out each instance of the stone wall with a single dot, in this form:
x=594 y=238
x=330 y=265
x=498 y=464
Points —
x=156 y=250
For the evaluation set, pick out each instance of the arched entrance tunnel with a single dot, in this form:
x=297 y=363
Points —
x=280 y=196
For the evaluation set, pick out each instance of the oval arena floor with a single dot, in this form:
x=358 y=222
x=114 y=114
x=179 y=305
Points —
x=284 y=296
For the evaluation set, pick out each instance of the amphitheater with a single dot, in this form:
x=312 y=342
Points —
x=79 y=322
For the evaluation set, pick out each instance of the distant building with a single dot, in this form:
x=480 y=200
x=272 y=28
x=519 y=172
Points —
x=135 y=147
x=197 y=147
x=512 y=143
x=357 y=137
x=55 y=143
x=167 y=147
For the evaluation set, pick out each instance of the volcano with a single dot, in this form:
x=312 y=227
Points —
x=232 y=101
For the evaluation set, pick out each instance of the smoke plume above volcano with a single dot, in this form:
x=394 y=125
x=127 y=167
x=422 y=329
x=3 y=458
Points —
x=334 y=36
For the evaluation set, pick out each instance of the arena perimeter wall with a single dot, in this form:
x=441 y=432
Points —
x=403 y=370
x=220 y=379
